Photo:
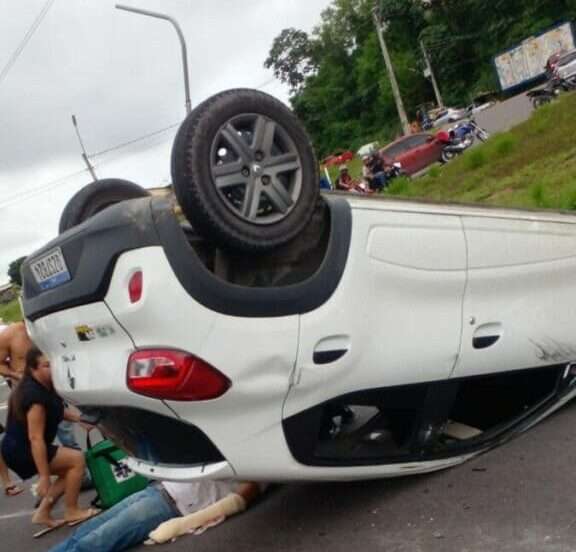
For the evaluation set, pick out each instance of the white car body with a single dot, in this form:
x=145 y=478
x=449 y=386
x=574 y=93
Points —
x=432 y=301
x=449 y=115
x=566 y=65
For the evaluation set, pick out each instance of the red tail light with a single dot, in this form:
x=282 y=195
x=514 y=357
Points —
x=135 y=287
x=174 y=375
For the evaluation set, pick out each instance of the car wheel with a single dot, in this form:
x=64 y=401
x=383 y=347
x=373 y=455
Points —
x=447 y=156
x=244 y=171
x=95 y=197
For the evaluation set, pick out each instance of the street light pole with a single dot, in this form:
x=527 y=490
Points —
x=381 y=27
x=84 y=154
x=182 y=44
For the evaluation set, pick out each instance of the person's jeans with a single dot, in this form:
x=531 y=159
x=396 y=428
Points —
x=66 y=435
x=67 y=438
x=122 y=526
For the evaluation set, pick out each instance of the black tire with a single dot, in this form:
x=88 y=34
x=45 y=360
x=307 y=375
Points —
x=95 y=197
x=244 y=171
x=538 y=101
x=447 y=156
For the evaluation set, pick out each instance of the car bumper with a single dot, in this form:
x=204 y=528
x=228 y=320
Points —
x=217 y=470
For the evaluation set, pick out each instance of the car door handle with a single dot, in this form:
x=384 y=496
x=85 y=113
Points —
x=487 y=335
x=326 y=357
x=330 y=349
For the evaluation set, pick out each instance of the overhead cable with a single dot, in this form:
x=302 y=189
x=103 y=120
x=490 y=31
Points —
x=29 y=34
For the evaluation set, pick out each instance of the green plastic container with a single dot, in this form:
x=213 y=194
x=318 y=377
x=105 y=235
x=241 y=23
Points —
x=112 y=478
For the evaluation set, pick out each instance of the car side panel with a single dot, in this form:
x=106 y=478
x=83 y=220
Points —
x=396 y=312
x=88 y=351
x=519 y=308
x=256 y=354
x=425 y=155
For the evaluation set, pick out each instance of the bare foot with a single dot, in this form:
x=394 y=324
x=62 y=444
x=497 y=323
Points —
x=42 y=518
x=74 y=517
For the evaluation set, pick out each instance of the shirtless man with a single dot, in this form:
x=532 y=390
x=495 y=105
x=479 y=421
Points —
x=14 y=344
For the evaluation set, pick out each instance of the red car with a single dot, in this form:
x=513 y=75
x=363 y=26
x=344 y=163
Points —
x=414 y=152
x=338 y=158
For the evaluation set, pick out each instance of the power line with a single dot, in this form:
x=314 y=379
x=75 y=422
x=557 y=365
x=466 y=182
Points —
x=28 y=194
x=16 y=198
x=134 y=140
x=16 y=54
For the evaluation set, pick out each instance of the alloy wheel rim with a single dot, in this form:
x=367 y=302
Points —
x=256 y=168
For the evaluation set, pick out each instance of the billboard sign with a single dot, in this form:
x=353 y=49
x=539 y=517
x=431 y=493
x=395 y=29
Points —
x=526 y=62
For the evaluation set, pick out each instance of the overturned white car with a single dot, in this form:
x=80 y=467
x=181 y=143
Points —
x=370 y=338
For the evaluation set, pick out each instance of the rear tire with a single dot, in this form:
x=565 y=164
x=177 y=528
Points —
x=96 y=197
x=244 y=171
x=447 y=156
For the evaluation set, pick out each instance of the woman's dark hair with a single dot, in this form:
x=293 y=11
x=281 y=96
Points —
x=15 y=403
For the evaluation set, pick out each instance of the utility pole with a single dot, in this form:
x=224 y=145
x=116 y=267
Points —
x=84 y=154
x=381 y=27
x=430 y=73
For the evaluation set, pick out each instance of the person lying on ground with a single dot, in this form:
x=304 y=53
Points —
x=161 y=512
x=35 y=410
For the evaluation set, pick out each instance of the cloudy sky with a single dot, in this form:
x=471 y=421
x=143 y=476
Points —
x=121 y=75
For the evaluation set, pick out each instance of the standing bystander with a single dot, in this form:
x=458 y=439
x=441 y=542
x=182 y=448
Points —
x=10 y=488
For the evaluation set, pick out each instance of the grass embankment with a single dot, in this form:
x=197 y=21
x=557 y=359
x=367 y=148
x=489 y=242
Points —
x=10 y=312
x=533 y=165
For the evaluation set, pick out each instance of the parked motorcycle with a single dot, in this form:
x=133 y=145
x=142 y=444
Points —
x=459 y=138
x=467 y=131
x=551 y=91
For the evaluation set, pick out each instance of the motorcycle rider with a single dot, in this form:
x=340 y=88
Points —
x=373 y=171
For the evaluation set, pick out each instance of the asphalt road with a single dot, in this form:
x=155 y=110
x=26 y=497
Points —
x=505 y=115
x=515 y=498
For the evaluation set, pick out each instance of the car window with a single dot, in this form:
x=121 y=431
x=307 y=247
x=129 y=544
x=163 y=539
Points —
x=418 y=140
x=567 y=58
x=396 y=149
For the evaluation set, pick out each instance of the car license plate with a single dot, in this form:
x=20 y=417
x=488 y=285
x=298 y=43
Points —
x=50 y=271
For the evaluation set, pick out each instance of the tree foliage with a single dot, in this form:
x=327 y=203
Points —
x=291 y=57
x=14 y=271
x=339 y=85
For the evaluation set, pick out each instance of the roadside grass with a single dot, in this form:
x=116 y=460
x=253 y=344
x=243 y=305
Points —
x=531 y=166
x=10 y=312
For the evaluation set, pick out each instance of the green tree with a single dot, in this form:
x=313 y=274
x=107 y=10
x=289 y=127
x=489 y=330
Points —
x=291 y=57
x=340 y=87
x=14 y=271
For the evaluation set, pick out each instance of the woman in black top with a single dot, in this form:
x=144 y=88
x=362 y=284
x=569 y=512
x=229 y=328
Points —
x=28 y=449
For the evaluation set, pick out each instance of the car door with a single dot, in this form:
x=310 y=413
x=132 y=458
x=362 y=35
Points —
x=395 y=318
x=422 y=151
x=401 y=153
x=519 y=309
